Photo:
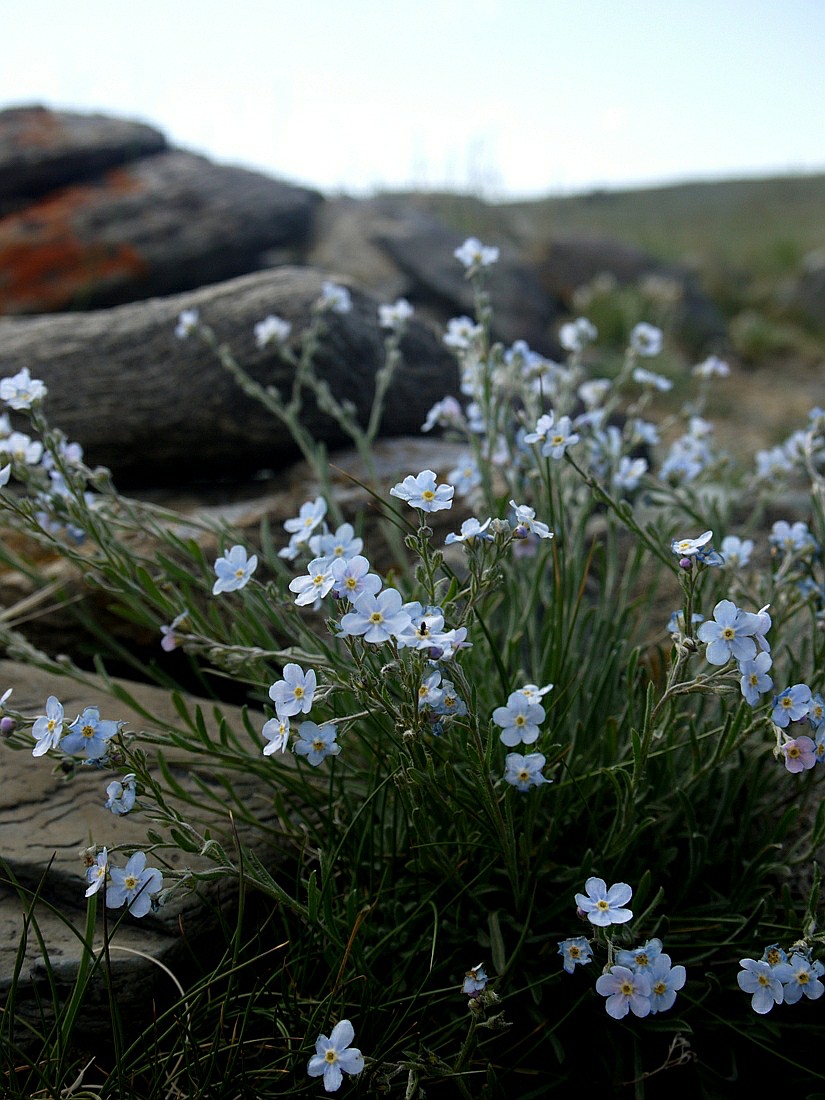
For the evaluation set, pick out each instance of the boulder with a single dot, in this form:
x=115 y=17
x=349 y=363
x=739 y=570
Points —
x=42 y=150
x=397 y=249
x=157 y=225
x=159 y=410
x=567 y=263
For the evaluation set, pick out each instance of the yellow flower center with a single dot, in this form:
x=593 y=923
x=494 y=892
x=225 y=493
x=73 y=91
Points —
x=88 y=731
x=130 y=882
x=331 y=1056
x=376 y=617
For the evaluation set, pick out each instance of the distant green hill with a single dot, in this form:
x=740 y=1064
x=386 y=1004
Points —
x=762 y=227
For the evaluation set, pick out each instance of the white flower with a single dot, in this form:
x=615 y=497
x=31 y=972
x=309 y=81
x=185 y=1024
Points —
x=309 y=517
x=646 y=340
x=335 y=298
x=294 y=693
x=461 y=332
x=21 y=391
x=272 y=330
x=712 y=367
x=688 y=548
x=421 y=492
x=471 y=530
x=474 y=255
x=654 y=381
x=318 y=582
x=576 y=335
x=188 y=321
x=396 y=315
x=276 y=731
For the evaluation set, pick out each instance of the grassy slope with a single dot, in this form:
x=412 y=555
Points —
x=763 y=227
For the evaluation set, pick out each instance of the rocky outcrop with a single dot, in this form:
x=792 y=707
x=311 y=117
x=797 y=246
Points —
x=158 y=410
x=43 y=150
x=158 y=225
x=396 y=249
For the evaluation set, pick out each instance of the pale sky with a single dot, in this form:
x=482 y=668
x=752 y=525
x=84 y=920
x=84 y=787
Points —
x=501 y=97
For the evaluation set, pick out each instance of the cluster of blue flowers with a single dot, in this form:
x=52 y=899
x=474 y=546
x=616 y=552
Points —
x=781 y=977
x=641 y=981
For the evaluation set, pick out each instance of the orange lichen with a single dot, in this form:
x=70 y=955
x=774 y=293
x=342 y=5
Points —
x=45 y=266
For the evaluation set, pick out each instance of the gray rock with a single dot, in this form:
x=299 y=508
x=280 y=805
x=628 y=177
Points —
x=159 y=225
x=395 y=249
x=41 y=149
x=159 y=410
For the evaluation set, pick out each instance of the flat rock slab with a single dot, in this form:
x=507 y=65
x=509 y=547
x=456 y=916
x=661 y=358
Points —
x=46 y=824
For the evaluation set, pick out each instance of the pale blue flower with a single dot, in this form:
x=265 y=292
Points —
x=90 y=733
x=335 y=298
x=475 y=981
x=791 y=705
x=646 y=340
x=626 y=991
x=377 y=618
x=519 y=720
x=603 y=906
x=170 y=640
x=665 y=981
x=272 y=330
x=790 y=539
x=430 y=693
x=21 y=391
x=450 y=703
x=352 y=578
x=524 y=519
x=554 y=436
x=524 y=772
x=295 y=692
x=729 y=634
x=774 y=954
x=48 y=728
x=316 y=742
x=310 y=516
x=688 y=548
x=736 y=552
x=533 y=693
x=317 y=583
x=341 y=543
x=651 y=380
x=629 y=473
x=471 y=529
x=712 y=367
x=96 y=874
x=754 y=679
x=576 y=951
x=135 y=886
x=334 y=1056
x=759 y=979
x=233 y=570
x=816 y=711
x=474 y=255
x=446 y=413
x=188 y=321
x=276 y=731
x=5 y=474
x=576 y=335
x=422 y=492
x=461 y=333
x=395 y=316
x=640 y=958
x=465 y=477
x=121 y=794
x=799 y=975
